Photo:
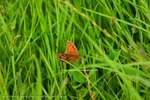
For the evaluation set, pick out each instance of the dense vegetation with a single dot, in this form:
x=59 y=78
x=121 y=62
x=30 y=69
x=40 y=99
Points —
x=112 y=37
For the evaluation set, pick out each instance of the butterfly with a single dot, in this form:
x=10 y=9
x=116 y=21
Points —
x=71 y=53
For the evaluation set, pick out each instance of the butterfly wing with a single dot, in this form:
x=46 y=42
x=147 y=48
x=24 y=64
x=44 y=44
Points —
x=68 y=57
x=71 y=48
x=71 y=54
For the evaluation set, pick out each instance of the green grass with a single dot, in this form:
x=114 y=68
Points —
x=112 y=37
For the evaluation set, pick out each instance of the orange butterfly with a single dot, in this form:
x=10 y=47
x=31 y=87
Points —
x=71 y=54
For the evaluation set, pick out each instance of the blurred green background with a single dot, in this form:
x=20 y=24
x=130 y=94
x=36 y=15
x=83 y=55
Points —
x=112 y=37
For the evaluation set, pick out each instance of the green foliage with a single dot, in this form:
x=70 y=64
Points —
x=112 y=37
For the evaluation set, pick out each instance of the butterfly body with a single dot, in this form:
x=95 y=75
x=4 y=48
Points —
x=71 y=53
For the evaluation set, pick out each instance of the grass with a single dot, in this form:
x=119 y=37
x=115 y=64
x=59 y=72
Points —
x=112 y=38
